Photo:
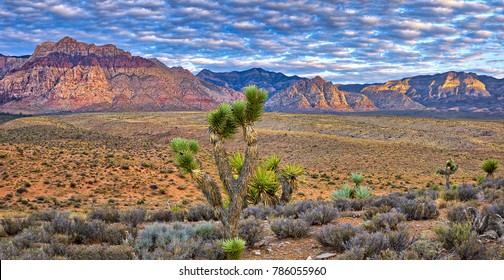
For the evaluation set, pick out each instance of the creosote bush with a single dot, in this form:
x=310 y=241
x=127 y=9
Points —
x=285 y=228
x=200 y=212
x=109 y=215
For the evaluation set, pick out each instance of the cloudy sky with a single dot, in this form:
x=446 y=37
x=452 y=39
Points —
x=343 y=41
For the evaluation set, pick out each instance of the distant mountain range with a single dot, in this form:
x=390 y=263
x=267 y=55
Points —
x=71 y=76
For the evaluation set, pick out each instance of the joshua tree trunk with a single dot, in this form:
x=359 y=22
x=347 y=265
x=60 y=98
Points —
x=450 y=168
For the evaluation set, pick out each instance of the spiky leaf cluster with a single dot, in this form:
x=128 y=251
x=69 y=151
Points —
x=255 y=103
x=264 y=187
x=185 y=150
x=451 y=165
x=356 y=178
x=222 y=121
x=234 y=248
x=236 y=161
x=489 y=166
x=272 y=162
x=291 y=171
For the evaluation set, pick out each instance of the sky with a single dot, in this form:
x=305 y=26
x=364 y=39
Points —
x=342 y=41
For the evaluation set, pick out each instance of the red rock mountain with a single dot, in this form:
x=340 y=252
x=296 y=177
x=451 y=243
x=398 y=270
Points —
x=318 y=95
x=75 y=76
x=7 y=63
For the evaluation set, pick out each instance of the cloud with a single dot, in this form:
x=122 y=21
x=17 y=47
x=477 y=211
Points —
x=67 y=11
x=349 y=41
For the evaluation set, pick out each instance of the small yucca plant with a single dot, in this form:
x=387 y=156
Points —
x=489 y=166
x=362 y=192
x=356 y=178
x=344 y=192
x=234 y=248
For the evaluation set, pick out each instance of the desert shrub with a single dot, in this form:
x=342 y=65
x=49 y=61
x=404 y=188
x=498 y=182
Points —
x=33 y=254
x=467 y=192
x=342 y=204
x=208 y=231
x=30 y=236
x=471 y=249
x=85 y=232
x=84 y=252
x=177 y=241
x=284 y=228
x=234 y=248
x=13 y=226
x=344 y=192
x=358 y=204
x=133 y=217
x=336 y=237
x=99 y=252
x=320 y=215
x=419 y=209
x=449 y=195
x=393 y=200
x=115 y=234
x=366 y=246
x=8 y=251
x=58 y=245
x=261 y=211
x=295 y=210
x=120 y=252
x=61 y=223
x=211 y=251
x=399 y=240
x=108 y=215
x=426 y=248
x=493 y=183
x=46 y=216
x=200 y=212
x=161 y=216
x=453 y=235
x=384 y=221
x=371 y=211
x=495 y=208
x=458 y=214
x=251 y=230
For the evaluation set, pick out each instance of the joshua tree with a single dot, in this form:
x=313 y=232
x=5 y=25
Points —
x=223 y=124
x=450 y=168
x=489 y=166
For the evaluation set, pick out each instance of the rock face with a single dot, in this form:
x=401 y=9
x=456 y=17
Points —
x=7 y=63
x=75 y=76
x=273 y=82
x=318 y=95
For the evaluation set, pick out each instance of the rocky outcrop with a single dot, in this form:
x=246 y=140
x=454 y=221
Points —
x=75 y=76
x=318 y=95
